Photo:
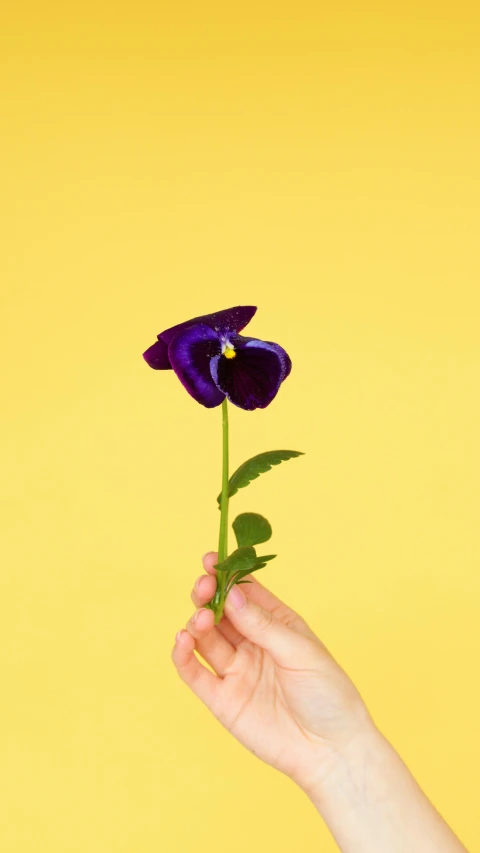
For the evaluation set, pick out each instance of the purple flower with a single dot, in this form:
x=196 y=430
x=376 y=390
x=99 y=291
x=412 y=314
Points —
x=213 y=361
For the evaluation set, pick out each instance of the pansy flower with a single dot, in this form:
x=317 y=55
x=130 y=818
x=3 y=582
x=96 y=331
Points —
x=213 y=361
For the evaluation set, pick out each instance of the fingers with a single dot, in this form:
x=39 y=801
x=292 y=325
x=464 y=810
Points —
x=255 y=592
x=214 y=648
x=205 y=586
x=259 y=594
x=287 y=647
x=201 y=681
x=204 y=590
x=226 y=629
x=209 y=560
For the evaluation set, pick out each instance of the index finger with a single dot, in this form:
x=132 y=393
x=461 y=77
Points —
x=209 y=560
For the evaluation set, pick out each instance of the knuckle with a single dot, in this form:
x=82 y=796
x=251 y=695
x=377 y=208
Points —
x=191 y=626
x=286 y=615
x=264 y=620
x=290 y=618
x=194 y=592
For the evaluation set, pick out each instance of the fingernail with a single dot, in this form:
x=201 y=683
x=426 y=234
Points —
x=236 y=598
x=195 y=616
x=197 y=582
x=177 y=636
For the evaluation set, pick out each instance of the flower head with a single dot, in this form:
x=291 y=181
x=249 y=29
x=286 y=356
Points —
x=213 y=361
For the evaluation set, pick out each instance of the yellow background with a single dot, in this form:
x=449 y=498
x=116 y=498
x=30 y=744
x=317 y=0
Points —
x=164 y=159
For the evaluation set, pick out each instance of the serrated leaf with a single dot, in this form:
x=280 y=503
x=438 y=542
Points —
x=250 y=528
x=260 y=562
x=243 y=559
x=238 y=575
x=252 y=468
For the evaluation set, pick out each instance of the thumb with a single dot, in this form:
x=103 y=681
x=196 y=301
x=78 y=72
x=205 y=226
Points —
x=286 y=646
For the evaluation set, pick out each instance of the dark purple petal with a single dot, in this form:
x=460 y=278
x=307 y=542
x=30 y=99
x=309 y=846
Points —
x=284 y=358
x=190 y=353
x=252 y=378
x=156 y=356
x=239 y=340
x=230 y=320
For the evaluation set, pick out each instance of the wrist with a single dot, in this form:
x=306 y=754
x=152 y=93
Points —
x=371 y=802
x=341 y=766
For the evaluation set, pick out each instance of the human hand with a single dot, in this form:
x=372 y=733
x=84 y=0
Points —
x=275 y=686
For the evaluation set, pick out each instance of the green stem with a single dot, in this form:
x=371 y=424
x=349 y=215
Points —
x=219 y=599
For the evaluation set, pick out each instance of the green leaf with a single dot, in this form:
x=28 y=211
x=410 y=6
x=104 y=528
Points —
x=255 y=466
x=250 y=528
x=243 y=560
x=239 y=574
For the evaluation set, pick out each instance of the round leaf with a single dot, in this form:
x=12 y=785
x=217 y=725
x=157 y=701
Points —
x=250 y=528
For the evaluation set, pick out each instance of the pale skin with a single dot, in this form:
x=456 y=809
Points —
x=279 y=691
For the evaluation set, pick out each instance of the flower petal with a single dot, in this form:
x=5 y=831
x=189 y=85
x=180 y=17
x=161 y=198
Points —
x=228 y=320
x=156 y=356
x=251 y=379
x=284 y=356
x=190 y=352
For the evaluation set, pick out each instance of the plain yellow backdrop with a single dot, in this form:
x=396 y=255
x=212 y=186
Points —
x=165 y=159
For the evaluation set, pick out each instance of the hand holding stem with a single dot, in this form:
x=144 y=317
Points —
x=279 y=691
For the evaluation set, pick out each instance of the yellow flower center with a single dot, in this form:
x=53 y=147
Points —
x=229 y=352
